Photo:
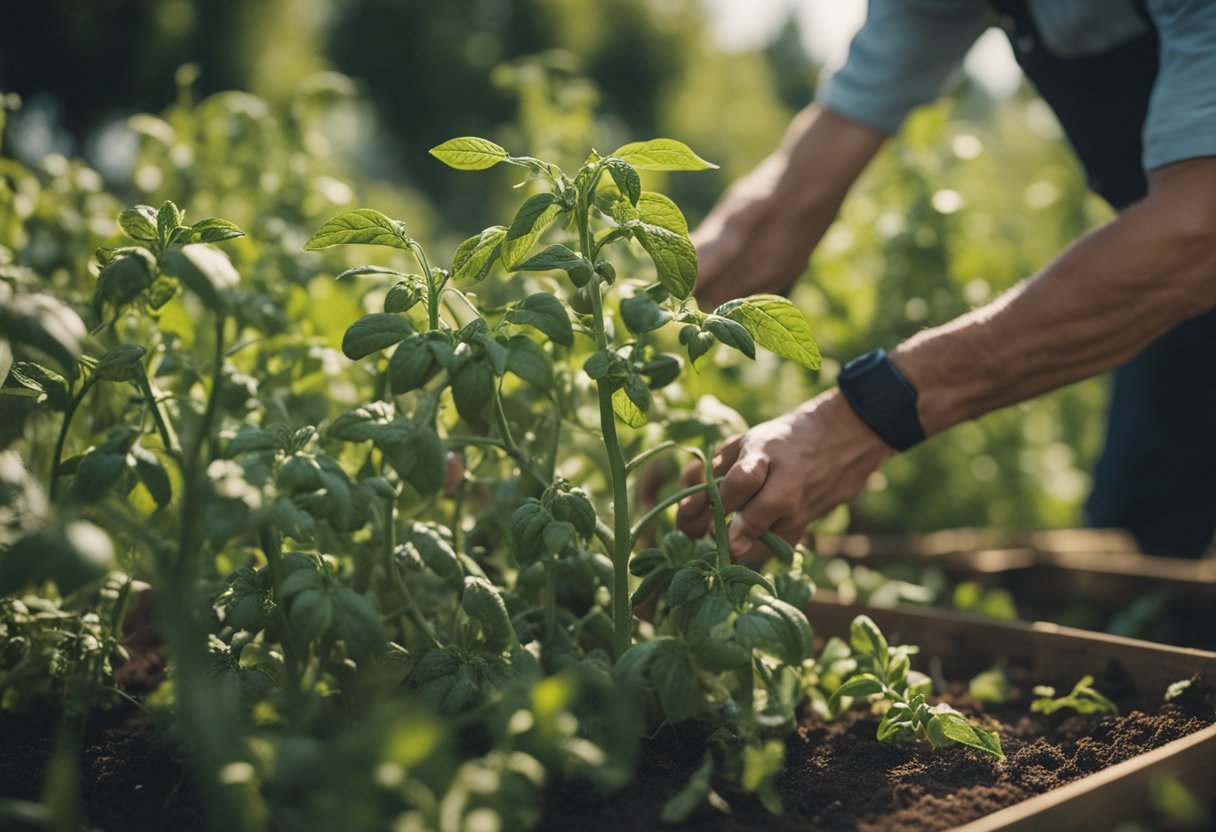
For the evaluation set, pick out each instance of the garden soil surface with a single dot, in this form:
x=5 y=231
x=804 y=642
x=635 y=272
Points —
x=837 y=776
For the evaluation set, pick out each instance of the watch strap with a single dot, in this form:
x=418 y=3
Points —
x=883 y=399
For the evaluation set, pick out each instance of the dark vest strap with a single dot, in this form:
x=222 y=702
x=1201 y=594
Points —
x=1100 y=100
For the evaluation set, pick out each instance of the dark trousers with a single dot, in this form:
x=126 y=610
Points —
x=1157 y=474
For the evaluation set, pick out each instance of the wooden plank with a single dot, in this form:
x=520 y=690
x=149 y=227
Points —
x=1113 y=795
x=1060 y=655
x=966 y=644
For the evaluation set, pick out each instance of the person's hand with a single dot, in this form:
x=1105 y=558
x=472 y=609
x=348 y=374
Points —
x=785 y=473
x=750 y=243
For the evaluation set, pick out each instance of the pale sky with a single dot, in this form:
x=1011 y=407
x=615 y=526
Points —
x=828 y=26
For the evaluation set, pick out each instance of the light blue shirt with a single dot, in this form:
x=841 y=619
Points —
x=908 y=49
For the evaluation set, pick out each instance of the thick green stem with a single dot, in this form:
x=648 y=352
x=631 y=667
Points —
x=167 y=435
x=432 y=288
x=622 y=615
x=57 y=457
x=715 y=505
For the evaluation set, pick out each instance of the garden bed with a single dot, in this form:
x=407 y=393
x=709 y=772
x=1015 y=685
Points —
x=1073 y=772
x=1079 y=577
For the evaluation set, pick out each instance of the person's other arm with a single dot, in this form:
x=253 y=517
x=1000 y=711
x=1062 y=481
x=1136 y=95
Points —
x=1096 y=306
x=760 y=235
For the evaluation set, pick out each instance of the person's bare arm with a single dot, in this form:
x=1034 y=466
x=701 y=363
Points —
x=759 y=236
x=1097 y=305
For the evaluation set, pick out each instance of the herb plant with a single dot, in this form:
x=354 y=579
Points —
x=883 y=674
x=1084 y=698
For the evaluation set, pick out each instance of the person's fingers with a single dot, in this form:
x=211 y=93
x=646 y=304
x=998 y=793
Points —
x=743 y=481
x=775 y=505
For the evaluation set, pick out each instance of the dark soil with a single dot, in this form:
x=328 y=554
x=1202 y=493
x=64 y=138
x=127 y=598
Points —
x=838 y=777
x=130 y=779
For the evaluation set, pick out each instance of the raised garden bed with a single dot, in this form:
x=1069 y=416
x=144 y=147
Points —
x=1086 y=578
x=1060 y=773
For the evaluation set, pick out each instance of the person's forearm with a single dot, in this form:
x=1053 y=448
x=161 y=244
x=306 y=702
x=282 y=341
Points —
x=760 y=235
x=1096 y=306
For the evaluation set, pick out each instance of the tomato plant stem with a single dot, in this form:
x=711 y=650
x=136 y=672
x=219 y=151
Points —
x=57 y=457
x=622 y=615
x=715 y=505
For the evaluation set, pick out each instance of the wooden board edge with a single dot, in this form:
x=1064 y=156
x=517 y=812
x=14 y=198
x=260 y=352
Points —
x=1192 y=758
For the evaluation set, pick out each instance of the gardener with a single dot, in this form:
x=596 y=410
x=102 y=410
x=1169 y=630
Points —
x=1134 y=86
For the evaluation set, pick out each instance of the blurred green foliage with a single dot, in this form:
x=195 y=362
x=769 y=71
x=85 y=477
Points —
x=973 y=196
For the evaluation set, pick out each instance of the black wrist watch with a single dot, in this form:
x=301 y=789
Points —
x=883 y=398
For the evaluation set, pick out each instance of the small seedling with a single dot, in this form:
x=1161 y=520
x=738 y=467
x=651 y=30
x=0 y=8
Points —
x=884 y=675
x=1084 y=699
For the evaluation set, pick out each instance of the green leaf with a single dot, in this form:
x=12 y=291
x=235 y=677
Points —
x=642 y=314
x=469 y=153
x=418 y=455
x=123 y=279
x=958 y=728
x=560 y=257
x=626 y=179
x=401 y=297
x=777 y=325
x=374 y=332
x=637 y=391
x=652 y=583
x=675 y=259
x=412 y=365
x=856 y=687
x=533 y=217
x=48 y=384
x=674 y=675
x=152 y=474
x=475 y=256
x=546 y=313
x=731 y=333
x=660 y=371
x=252 y=440
x=867 y=639
x=745 y=577
x=204 y=270
x=626 y=410
x=122 y=363
x=360 y=271
x=214 y=230
x=697 y=341
x=44 y=323
x=364 y=226
x=687 y=585
x=526 y=531
x=661 y=154
x=526 y=359
x=168 y=218
x=472 y=390
x=139 y=223
x=97 y=473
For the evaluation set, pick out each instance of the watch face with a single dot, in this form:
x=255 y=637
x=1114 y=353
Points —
x=862 y=364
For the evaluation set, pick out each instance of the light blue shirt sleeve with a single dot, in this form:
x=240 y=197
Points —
x=1181 y=121
x=902 y=57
